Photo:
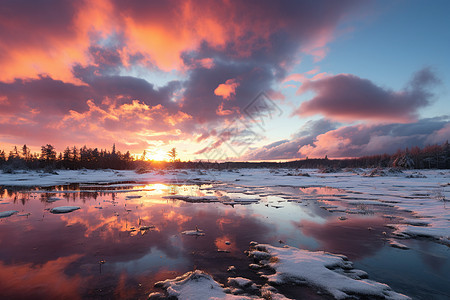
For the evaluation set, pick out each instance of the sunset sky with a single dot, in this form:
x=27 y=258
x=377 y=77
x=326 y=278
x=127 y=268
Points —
x=247 y=80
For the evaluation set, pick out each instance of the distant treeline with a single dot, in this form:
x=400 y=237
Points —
x=70 y=158
x=429 y=157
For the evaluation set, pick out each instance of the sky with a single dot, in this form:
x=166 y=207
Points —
x=225 y=80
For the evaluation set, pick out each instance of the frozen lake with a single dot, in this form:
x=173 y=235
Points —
x=121 y=237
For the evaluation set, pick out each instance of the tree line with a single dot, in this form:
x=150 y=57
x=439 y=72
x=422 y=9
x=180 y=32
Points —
x=70 y=158
x=429 y=157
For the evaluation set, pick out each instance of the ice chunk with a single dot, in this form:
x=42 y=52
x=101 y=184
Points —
x=147 y=227
x=176 y=197
x=8 y=213
x=132 y=197
x=63 y=209
x=53 y=199
x=197 y=232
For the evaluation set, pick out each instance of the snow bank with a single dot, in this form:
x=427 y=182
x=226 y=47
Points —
x=331 y=273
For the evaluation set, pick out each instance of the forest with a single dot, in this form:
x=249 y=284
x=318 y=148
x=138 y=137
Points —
x=429 y=157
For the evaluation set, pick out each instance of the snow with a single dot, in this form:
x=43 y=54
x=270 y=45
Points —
x=200 y=285
x=196 y=285
x=63 y=209
x=330 y=273
x=239 y=281
x=8 y=213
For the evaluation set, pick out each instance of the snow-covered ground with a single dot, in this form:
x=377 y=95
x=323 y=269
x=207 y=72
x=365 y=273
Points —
x=424 y=193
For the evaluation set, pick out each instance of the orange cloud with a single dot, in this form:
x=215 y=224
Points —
x=227 y=90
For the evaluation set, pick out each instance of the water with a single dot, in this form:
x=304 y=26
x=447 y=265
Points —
x=99 y=250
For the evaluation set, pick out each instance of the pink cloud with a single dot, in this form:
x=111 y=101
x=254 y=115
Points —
x=322 y=137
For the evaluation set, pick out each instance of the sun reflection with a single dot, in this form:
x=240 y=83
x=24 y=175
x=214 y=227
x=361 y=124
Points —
x=156 y=188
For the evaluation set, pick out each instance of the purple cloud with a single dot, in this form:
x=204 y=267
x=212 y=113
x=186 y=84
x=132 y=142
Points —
x=348 y=97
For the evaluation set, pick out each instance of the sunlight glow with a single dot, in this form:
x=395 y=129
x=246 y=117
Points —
x=156 y=155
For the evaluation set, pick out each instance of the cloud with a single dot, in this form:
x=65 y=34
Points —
x=346 y=97
x=289 y=149
x=359 y=140
x=159 y=31
x=322 y=137
x=227 y=90
x=244 y=29
x=88 y=75
x=103 y=109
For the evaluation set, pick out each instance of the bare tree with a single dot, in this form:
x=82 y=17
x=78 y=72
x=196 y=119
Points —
x=172 y=154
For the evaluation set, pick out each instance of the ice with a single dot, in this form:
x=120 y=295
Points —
x=192 y=198
x=176 y=197
x=8 y=213
x=147 y=227
x=396 y=244
x=197 y=232
x=132 y=197
x=330 y=273
x=53 y=199
x=63 y=209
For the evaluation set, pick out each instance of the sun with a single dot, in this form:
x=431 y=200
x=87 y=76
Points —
x=156 y=155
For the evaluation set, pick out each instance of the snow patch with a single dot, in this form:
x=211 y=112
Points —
x=196 y=285
x=330 y=273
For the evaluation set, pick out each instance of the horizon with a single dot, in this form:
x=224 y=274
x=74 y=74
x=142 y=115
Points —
x=254 y=81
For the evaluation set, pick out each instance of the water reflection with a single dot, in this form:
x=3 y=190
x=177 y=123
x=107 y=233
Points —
x=357 y=237
x=101 y=245
x=40 y=281
x=117 y=246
